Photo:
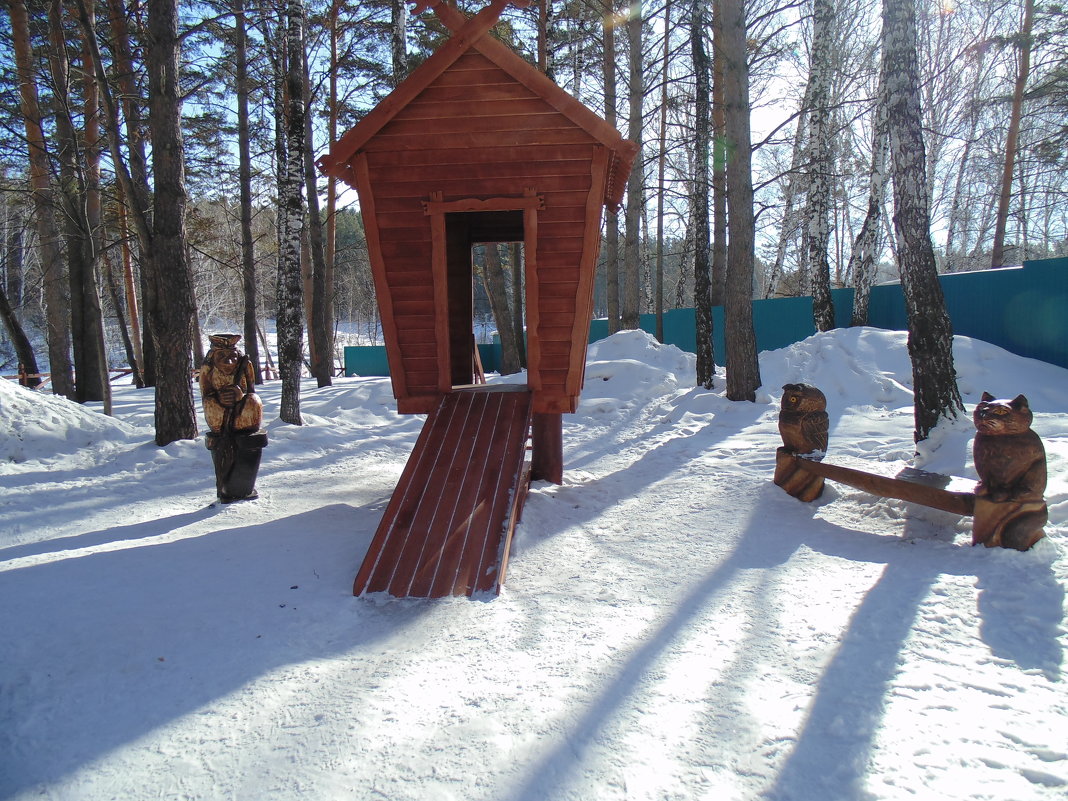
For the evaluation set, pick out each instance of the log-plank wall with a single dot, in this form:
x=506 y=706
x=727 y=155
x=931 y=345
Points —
x=476 y=132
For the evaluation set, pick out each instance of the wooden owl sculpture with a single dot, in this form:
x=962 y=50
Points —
x=803 y=419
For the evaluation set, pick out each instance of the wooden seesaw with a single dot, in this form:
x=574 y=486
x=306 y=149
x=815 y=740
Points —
x=1006 y=504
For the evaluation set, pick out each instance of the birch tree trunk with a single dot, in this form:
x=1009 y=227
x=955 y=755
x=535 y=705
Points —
x=661 y=166
x=496 y=287
x=743 y=367
x=930 y=331
x=517 y=303
x=956 y=252
x=630 y=317
x=544 y=13
x=291 y=220
x=702 y=259
x=866 y=245
x=398 y=39
x=820 y=163
x=56 y=289
x=795 y=185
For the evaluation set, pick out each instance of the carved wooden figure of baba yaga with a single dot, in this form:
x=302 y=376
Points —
x=1010 y=510
x=233 y=412
x=803 y=424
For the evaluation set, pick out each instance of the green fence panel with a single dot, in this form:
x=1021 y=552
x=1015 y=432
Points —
x=366 y=360
x=370 y=360
x=1022 y=309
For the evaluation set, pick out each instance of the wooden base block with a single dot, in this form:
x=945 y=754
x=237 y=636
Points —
x=1008 y=524
x=790 y=475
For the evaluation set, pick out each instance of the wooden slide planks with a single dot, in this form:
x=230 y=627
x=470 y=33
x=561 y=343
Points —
x=447 y=528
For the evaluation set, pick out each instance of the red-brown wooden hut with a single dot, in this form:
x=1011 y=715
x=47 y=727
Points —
x=477 y=145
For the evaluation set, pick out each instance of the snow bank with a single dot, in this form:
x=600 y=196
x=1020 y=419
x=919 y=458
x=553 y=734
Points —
x=39 y=426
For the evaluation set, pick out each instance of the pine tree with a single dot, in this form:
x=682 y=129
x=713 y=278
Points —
x=743 y=366
x=699 y=224
x=172 y=321
x=56 y=290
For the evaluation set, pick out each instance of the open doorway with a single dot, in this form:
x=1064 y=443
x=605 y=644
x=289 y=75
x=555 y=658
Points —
x=486 y=289
x=499 y=304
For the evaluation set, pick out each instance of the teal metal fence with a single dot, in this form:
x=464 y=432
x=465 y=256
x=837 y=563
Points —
x=1022 y=309
x=370 y=360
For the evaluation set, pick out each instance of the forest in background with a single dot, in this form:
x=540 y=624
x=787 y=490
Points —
x=120 y=121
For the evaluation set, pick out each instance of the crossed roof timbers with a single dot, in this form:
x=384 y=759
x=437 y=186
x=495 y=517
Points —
x=471 y=33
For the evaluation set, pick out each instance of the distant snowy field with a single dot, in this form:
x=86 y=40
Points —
x=673 y=626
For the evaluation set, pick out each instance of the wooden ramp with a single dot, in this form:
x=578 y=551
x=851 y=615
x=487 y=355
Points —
x=448 y=526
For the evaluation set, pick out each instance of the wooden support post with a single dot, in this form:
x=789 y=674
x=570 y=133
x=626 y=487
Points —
x=547 y=441
x=791 y=476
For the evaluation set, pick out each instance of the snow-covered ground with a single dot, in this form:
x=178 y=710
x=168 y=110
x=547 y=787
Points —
x=673 y=625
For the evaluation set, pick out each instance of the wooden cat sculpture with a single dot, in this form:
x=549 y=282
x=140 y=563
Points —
x=1010 y=510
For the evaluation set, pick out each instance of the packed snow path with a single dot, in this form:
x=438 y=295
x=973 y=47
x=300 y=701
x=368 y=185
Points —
x=673 y=625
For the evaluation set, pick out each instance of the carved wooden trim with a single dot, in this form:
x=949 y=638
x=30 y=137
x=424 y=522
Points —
x=533 y=294
x=529 y=200
x=587 y=267
x=439 y=267
x=362 y=180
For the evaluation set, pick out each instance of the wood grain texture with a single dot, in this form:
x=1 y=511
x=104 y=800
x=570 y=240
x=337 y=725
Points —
x=335 y=162
x=447 y=526
x=378 y=274
x=472 y=129
x=590 y=249
x=913 y=486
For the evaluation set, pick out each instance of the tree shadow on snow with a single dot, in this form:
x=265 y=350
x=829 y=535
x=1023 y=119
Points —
x=102 y=649
x=550 y=776
x=135 y=531
x=831 y=752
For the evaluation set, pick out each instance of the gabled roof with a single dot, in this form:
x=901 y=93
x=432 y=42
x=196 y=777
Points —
x=473 y=34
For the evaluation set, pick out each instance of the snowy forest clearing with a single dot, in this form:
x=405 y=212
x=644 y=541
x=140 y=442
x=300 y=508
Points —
x=673 y=625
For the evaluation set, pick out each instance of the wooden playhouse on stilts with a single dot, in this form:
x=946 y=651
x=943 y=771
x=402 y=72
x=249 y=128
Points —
x=475 y=146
